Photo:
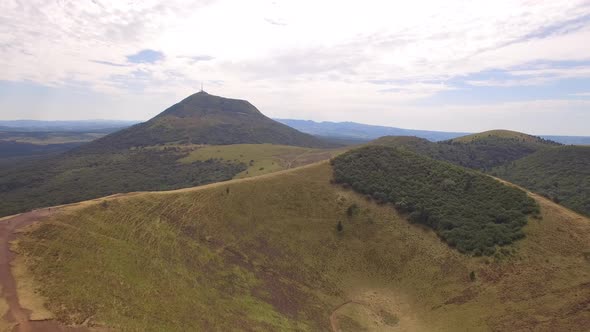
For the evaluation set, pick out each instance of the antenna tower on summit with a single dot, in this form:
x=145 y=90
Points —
x=201 y=86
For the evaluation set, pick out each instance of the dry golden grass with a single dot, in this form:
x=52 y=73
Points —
x=261 y=158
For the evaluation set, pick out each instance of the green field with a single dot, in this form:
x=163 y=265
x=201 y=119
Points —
x=265 y=253
x=46 y=138
x=260 y=158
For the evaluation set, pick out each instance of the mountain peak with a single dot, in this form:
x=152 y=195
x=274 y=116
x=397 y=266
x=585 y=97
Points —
x=202 y=118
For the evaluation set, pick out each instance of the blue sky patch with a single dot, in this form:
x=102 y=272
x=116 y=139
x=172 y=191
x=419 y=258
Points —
x=146 y=56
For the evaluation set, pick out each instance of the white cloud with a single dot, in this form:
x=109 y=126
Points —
x=322 y=55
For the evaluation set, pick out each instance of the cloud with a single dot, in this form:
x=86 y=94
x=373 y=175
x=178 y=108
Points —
x=536 y=74
x=275 y=22
x=146 y=56
x=108 y=63
x=391 y=56
x=196 y=58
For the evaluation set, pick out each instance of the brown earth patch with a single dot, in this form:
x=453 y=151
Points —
x=16 y=313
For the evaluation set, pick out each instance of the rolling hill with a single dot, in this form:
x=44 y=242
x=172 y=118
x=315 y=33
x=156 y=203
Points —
x=469 y=210
x=481 y=151
x=293 y=251
x=501 y=134
x=548 y=168
x=166 y=152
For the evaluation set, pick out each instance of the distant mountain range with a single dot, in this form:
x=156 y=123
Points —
x=335 y=132
x=362 y=132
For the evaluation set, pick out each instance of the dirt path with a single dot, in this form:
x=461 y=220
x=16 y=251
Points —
x=17 y=314
x=333 y=320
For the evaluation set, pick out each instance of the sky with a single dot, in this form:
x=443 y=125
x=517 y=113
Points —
x=436 y=65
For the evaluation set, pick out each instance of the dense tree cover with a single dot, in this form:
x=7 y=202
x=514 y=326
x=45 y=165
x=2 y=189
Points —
x=74 y=176
x=470 y=211
x=10 y=149
x=482 y=154
x=561 y=173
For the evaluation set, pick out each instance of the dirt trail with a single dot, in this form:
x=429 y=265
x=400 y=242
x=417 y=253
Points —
x=16 y=313
x=333 y=319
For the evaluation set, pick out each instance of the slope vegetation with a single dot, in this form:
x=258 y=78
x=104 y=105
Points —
x=75 y=177
x=481 y=151
x=468 y=210
x=167 y=152
x=503 y=134
x=561 y=173
x=266 y=253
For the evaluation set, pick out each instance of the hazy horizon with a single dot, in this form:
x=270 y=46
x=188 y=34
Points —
x=453 y=66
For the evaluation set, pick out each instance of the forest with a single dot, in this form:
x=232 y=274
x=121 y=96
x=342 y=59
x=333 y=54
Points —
x=74 y=176
x=470 y=211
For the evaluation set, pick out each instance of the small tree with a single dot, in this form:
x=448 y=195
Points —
x=339 y=227
x=472 y=276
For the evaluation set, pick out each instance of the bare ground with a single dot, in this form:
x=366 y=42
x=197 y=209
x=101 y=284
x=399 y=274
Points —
x=16 y=315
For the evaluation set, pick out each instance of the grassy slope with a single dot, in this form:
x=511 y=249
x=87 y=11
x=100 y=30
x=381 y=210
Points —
x=74 y=177
x=260 y=158
x=266 y=256
x=562 y=173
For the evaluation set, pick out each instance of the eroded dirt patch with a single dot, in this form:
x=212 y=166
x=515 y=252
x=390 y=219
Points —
x=374 y=310
x=18 y=315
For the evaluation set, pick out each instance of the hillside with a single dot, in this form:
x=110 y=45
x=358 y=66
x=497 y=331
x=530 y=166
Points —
x=481 y=151
x=545 y=167
x=74 y=177
x=504 y=135
x=206 y=119
x=175 y=149
x=265 y=253
x=470 y=211
x=561 y=173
